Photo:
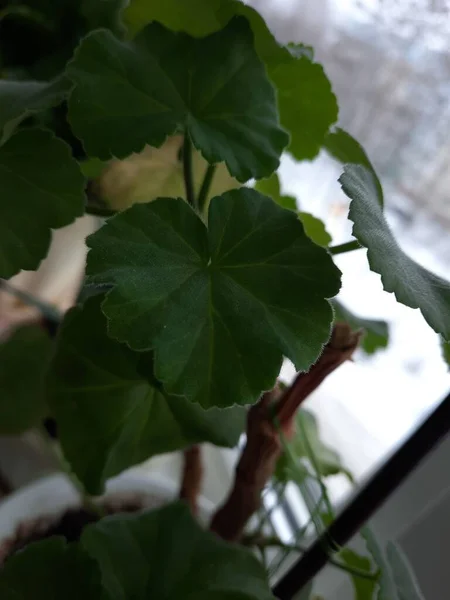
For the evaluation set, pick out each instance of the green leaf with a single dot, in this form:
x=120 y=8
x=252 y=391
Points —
x=386 y=586
x=50 y=570
x=364 y=588
x=166 y=554
x=110 y=411
x=376 y=333
x=445 y=347
x=412 y=285
x=23 y=361
x=315 y=229
x=20 y=99
x=344 y=148
x=195 y=17
x=306 y=102
x=215 y=89
x=42 y=189
x=218 y=306
x=328 y=461
x=104 y=13
x=402 y=574
x=271 y=187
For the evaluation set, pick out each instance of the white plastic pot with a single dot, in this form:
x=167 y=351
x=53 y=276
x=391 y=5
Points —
x=52 y=496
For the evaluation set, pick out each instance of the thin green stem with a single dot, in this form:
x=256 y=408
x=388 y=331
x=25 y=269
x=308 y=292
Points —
x=202 y=198
x=87 y=501
x=275 y=542
x=99 y=211
x=187 y=170
x=48 y=310
x=347 y=247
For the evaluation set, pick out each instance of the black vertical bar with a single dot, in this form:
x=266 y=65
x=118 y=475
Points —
x=366 y=502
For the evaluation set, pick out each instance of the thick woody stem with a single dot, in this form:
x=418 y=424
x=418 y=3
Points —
x=263 y=447
x=192 y=477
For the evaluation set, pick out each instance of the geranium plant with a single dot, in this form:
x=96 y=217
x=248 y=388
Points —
x=168 y=118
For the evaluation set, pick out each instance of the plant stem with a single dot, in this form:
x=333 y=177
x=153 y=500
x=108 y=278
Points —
x=202 y=198
x=87 y=501
x=347 y=247
x=99 y=211
x=47 y=310
x=274 y=542
x=187 y=170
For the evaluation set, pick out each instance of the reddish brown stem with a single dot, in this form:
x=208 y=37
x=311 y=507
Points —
x=263 y=447
x=191 y=482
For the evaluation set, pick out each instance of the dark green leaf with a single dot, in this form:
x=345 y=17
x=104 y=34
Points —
x=42 y=188
x=20 y=99
x=166 y=554
x=50 y=570
x=315 y=229
x=218 y=306
x=364 y=588
x=110 y=415
x=445 y=346
x=376 y=333
x=23 y=361
x=412 y=285
x=344 y=148
x=215 y=89
x=271 y=187
x=307 y=104
x=402 y=574
x=327 y=460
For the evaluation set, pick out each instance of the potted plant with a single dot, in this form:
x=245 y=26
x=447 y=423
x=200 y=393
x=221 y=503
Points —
x=193 y=296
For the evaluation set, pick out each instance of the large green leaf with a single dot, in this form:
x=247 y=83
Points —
x=376 y=332
x=412 y=285
x=50 y=570
x=215 y=89
x=327 y=460
x=343 y=147
x=219 y=306
x=111 y=413
x=42 y=188
x=307 y=104
x=23 y=361
x=166 y=555
x=20 y=99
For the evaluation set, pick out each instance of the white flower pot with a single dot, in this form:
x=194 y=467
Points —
x=54 y=495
